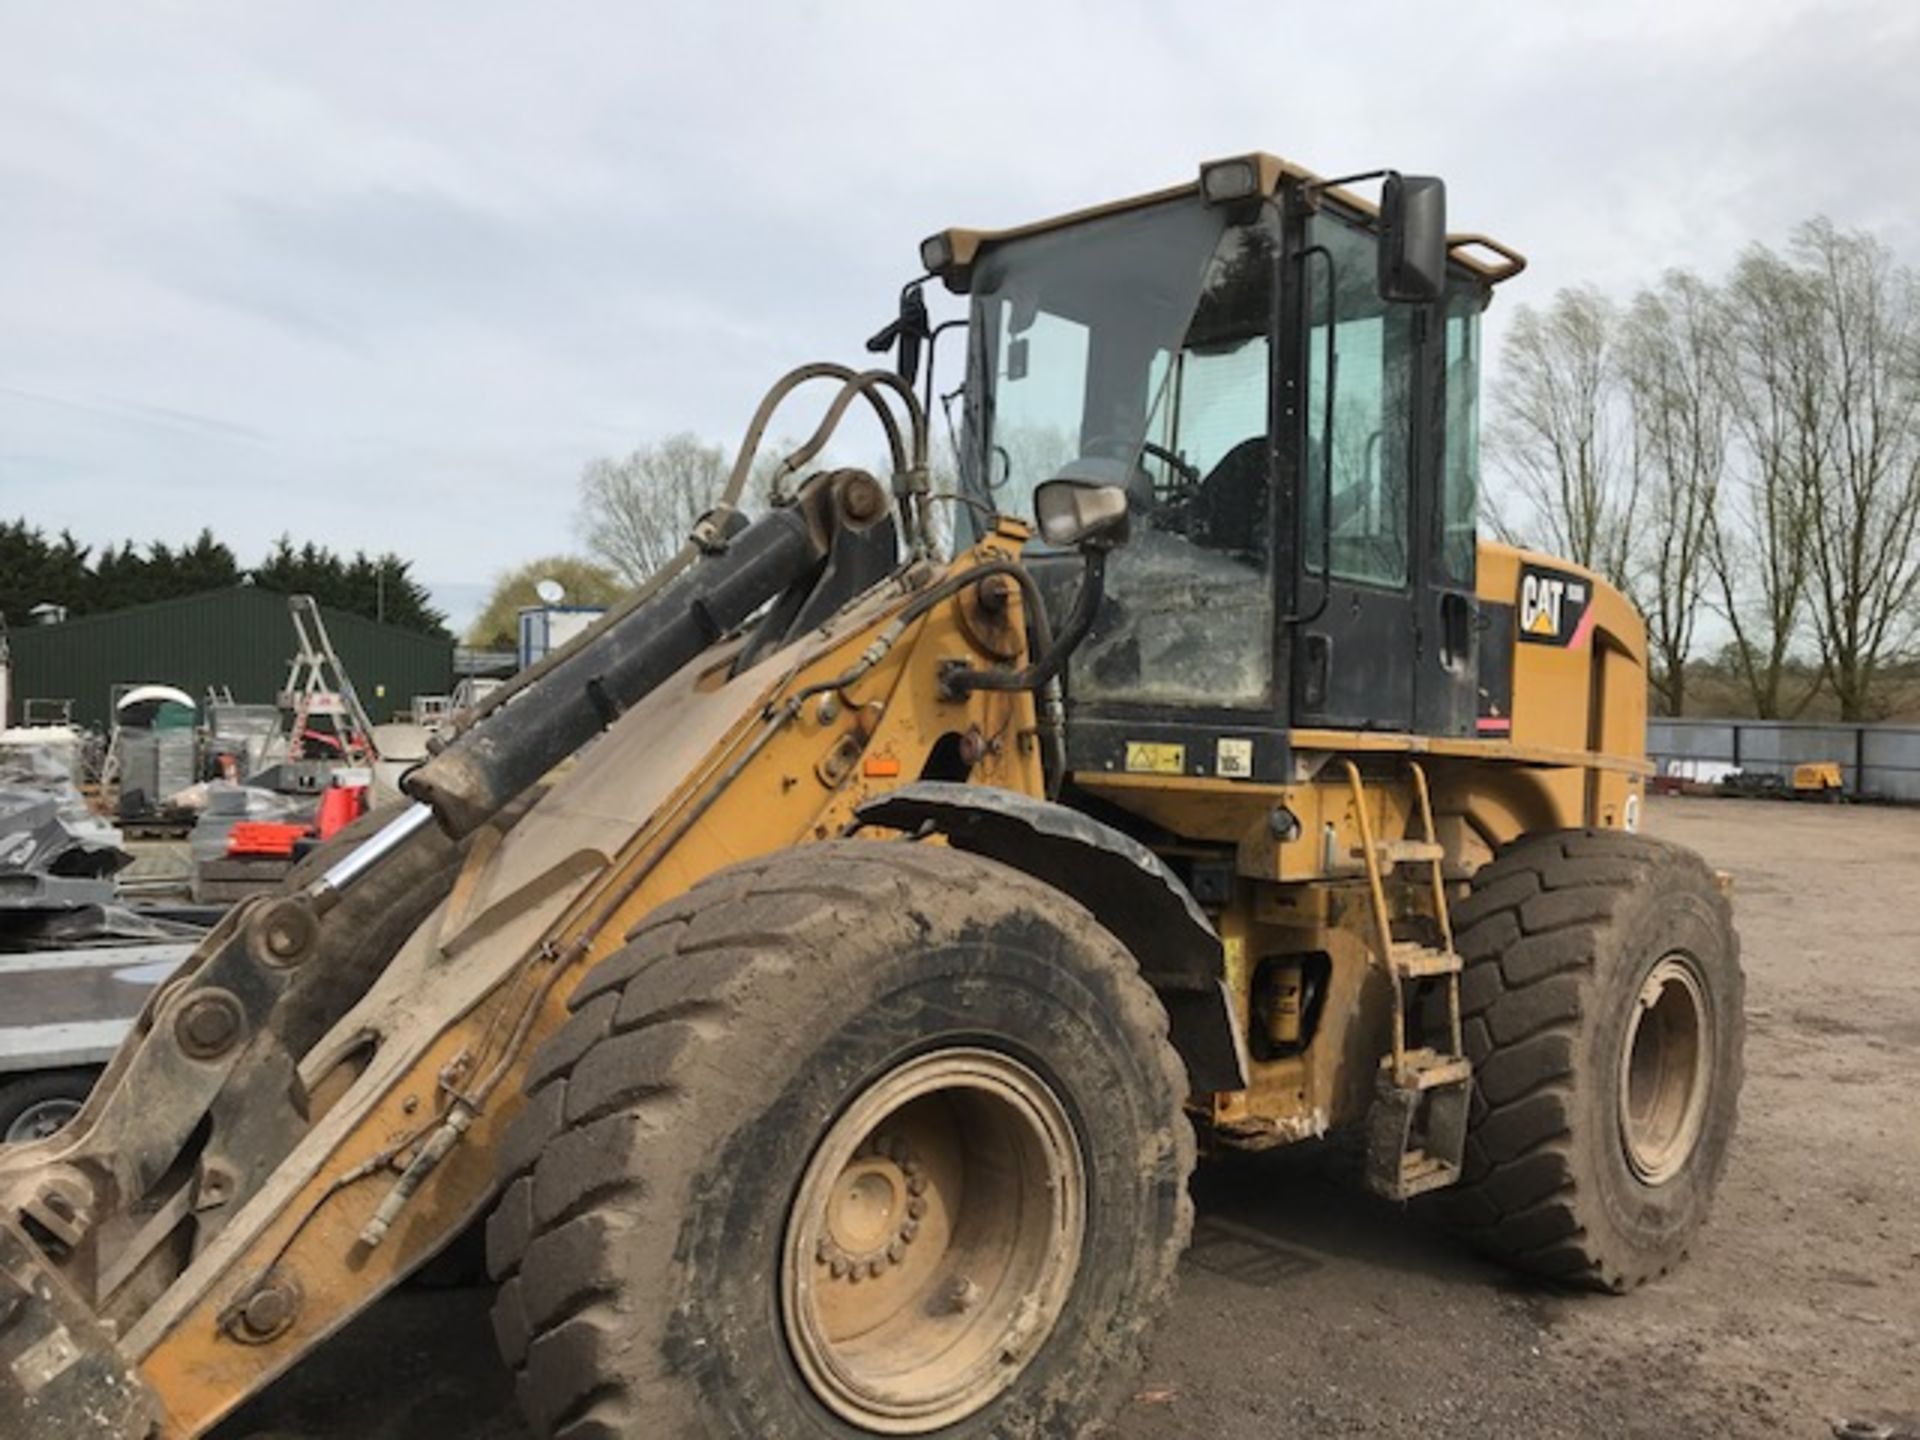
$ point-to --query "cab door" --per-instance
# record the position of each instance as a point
(1356, 632)
(1448, 623)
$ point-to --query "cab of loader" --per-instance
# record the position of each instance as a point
(1284, 379)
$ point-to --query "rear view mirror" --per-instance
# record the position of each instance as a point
(1413, 238)
(1080, 513)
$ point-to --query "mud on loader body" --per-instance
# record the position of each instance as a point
(819, 972)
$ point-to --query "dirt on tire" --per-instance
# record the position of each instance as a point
(647, 1181)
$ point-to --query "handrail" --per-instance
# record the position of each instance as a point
(1383, 924)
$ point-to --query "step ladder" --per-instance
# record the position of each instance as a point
(1417, 1127)
(317, 684)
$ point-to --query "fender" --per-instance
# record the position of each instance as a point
(1128, 888)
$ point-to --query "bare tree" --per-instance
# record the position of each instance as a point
(1669, 353)
(636, 511)
(1761, 543)
(1866, 515)
(1561, 435)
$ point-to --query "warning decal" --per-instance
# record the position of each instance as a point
(1147, 758)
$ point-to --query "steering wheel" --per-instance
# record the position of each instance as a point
(1165, 503)
(1185, 469)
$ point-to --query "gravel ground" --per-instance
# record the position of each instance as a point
(1309, 1308)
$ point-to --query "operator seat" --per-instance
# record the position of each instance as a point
(1230, 504)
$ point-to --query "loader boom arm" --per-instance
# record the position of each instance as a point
(299, 1119)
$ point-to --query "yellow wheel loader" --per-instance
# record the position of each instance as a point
(821, 975)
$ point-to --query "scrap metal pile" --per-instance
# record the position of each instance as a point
(55, 853)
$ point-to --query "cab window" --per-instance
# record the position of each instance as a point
(1369, 446)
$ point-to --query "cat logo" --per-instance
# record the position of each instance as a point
(1554, 607)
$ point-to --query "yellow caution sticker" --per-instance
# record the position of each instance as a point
(1146, 757)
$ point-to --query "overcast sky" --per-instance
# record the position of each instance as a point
(386, 275)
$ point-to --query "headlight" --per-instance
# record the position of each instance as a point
(936, 253)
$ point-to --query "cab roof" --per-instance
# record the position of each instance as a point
(956, 248)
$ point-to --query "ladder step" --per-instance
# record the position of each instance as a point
(1430, 1070)
(1421, 1172)
(1409, 852)
(1417, 1133)
(1413, 961)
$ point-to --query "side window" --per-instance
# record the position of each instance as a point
(1370, 445)
(1460, 480)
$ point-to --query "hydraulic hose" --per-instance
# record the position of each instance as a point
(720, 524)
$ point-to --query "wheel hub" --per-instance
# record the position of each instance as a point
(40, 1120)
(1665, 1071)
(933, 1241)
(874, 1212)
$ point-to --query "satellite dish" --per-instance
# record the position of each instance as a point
(551, 592)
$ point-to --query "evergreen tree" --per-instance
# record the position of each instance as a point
(35, 571)
(380, 588)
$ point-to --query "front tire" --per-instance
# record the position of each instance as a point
(1602, 1006)
(869, 1138)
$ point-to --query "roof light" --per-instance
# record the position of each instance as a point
(936, 253)
(1224, 181)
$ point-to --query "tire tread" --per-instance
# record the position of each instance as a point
(1530, 934)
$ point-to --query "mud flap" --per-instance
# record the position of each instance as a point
(1128, 888)
(61, 1375)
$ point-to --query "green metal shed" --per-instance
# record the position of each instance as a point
(240, 638)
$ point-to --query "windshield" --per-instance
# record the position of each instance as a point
(1136, 349)
(1069, 336)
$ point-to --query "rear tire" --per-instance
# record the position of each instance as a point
(1602, 1011)
(738, 1135)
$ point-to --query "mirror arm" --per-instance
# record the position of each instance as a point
(1316, 186)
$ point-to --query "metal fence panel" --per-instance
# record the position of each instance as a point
(1890, 761)
(1878, 762)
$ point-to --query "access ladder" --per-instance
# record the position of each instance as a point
(1417, 1127)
